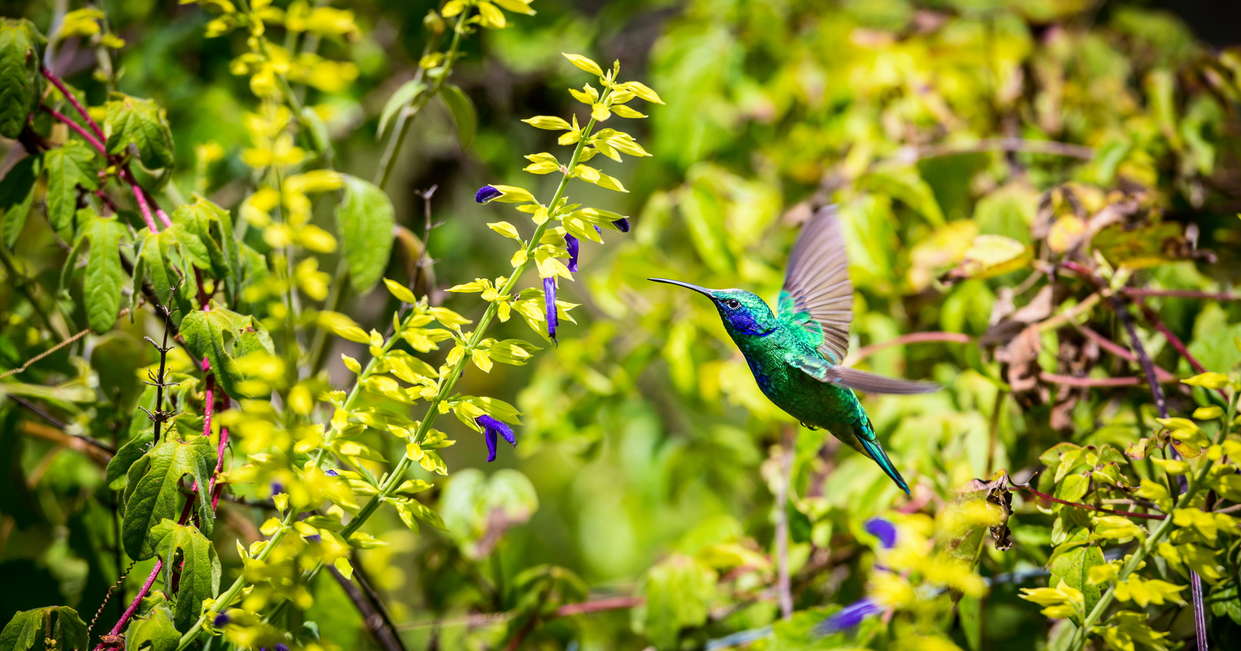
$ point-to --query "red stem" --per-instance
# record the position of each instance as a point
(1181, 293)
(86, 135)
(1073, 381)
(60, 85)
(1045, 496)
(912, 338)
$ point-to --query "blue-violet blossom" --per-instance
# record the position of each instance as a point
(492, 430)
(572, 245)
(487, 193)
(849, 616)
(549, 301)
(882, 529)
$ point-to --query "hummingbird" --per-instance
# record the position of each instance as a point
(796, 353)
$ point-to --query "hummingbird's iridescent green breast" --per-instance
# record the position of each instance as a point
(796, 352)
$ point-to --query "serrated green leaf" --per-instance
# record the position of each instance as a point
(104, 276)
(67, 167)
(364, 223)
(222, 336)
(52, 627)
(463, 113)
(200, 567)
(153, 631)
(154, 494)
(404, 96)
(21, 50)
(206, 233)
(16, 197)
(141, 123)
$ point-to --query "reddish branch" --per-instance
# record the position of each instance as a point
(146, 201)
(912, 338)
(1049, 498)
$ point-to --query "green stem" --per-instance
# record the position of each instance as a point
(396, 137)
(393, 479)
(1083, 634)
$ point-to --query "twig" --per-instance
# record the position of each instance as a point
(1045, 496)
(1074, 381)
(783, 595)
(1122, 352)
(1138, 292)
(373, 614)
(86, 135)
(913, 154)
(98, 451)
(911, 338)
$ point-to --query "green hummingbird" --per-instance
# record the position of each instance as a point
(795, 354)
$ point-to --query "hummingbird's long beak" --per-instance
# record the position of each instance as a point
(701, 290)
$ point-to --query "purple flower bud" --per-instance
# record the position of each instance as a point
(571, 243)
(331, 473)
(314, 537)
(622, 224)
(277, 488)
(849, 616)
(281, 647)
(883, 530)
(549, 301)
(487, 193)
(221, 620)
(492, 430)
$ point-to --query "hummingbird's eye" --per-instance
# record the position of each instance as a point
(732, 303)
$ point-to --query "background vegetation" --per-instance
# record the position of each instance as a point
(1040, 199)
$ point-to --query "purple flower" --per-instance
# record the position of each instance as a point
(331, 473)
(621, 224)
(549, 301)
(849, 616)
(221, 620)
(314, 537)
(883, 530)
(487, 193)
(277, 488)
(492, 430)
(571, 243)
(281, 647)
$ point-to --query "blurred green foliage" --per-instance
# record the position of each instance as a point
(1039, 195)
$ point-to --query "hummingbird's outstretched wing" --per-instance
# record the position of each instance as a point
(824, 371)
(817, 295)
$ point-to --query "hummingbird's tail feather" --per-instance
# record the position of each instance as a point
(871, 448)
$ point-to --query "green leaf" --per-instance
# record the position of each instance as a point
(364, 222)
(141, 123)
(67, 167)
(16, 197)
(158, 260)
(209, 241)
(678, 593)
(970, 611)
(404, 96)
(200, 568)
(52, 627)
(463, 113)
(154, 492)
(1073, 565)
(104, 276)
(21, 50)
(153, 631)
(905, 185)
(223, 336)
